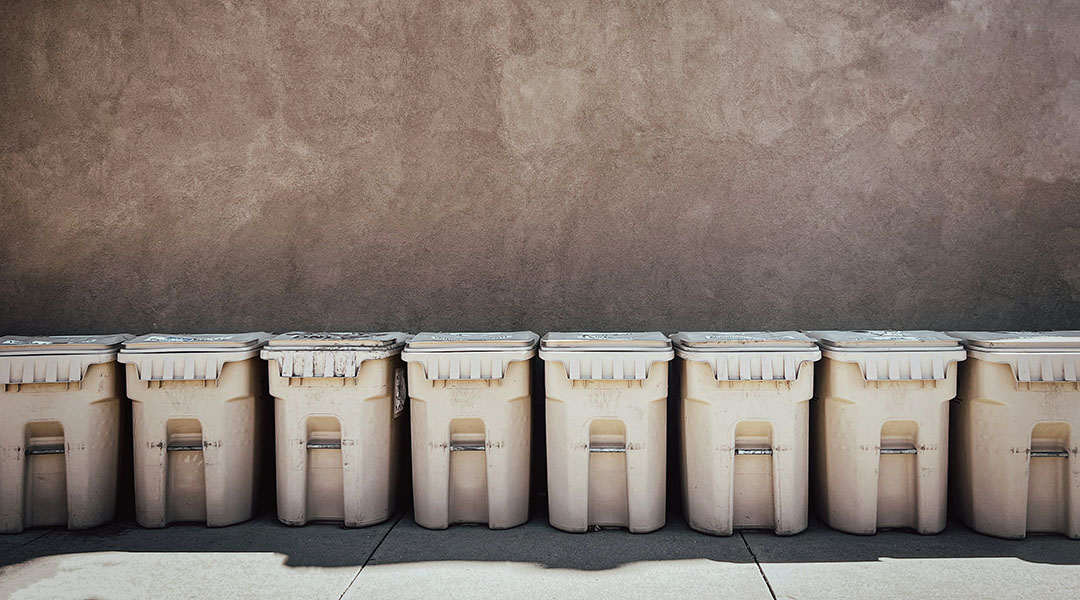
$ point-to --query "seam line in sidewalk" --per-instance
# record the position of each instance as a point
(760, 570)
(373, 551)
(35, 538)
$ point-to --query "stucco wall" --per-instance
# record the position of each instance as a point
(476, 164)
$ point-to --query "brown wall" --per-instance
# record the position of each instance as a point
(477, 164)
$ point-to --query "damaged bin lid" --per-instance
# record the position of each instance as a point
(195, 342)
(640, 341)
(493, 341)
(884, 340)
(735, 341)
(62, 344)
(337, 340)
(1020, 340)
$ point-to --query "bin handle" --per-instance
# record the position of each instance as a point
(40, 450)
(1048, 453)
(184, 447)
(606, 449)
(468, 447)
(753, 452)
(908, 450)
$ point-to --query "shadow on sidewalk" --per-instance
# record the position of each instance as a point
(536, 542)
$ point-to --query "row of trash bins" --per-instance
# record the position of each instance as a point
(877, 431)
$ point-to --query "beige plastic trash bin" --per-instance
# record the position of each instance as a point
(59, 430)
(745, 415)
(1016, 429)
(606, 429)
(470, 405)
(197, 403)
(339, 402)
(880, 428)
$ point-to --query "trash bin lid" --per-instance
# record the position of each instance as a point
(733, 341)
(337, 340)
(428, 341)
(883, 340)
(62, 344)
(195, 342)
(1020, 340)
(636, 341)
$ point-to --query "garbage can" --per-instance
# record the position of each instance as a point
(470, 408)
(606, 429)
(880, 428)
(197, 404)
(1016, 429)
(745, 416)
(339, 403)
(59, 430)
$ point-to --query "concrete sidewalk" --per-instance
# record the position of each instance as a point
(398, 559)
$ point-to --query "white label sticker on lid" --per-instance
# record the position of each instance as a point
(28, 343)
(483, 337)
(887, 335)
(750, 337)
(174, 339)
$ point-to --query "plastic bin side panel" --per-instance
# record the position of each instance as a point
(367, 446)
(290, 448)
(646, 467)
(791, 455)
(430, 452)
(567, 456)
(92, 448)
(509, 432)
(995, 475)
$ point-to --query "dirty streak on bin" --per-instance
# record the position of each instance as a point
(197, 404)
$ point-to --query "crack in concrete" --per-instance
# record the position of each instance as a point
(370, 556)
(760, 570)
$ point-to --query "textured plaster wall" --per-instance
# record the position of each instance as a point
(480, 164)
